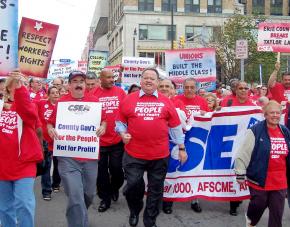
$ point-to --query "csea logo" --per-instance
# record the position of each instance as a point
(79, 109)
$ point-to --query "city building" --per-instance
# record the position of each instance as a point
(143, 27)
(97, 37)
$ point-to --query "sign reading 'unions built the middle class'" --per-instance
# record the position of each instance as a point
(76, 125)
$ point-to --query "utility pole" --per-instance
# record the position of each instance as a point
(172, 33)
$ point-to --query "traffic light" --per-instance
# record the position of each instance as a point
(182, 41)
(175, 45)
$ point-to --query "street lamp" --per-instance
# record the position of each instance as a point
(134, 41)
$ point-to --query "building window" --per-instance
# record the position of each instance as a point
(156, 32)
(191, 6)
(158, 56)
(202, 33)
(259, 6)
(276, 7)
(214, 6)
(146, 5)
(166, 5)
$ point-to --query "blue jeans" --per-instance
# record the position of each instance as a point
(17, 202)
(45, 178)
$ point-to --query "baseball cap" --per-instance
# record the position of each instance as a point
(73, 74)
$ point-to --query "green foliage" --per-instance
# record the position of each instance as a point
(242, 27)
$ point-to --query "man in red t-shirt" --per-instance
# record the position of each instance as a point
(145, 117)
(193, 103)
(110, 171)
(280, 91)
(241, 97)
(35, 90)
(77, 175)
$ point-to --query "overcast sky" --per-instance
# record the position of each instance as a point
(73, 17)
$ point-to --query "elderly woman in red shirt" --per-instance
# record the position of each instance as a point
(263, 158)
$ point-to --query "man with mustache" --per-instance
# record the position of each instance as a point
(110, 172)
(77, 175)
(144, 119)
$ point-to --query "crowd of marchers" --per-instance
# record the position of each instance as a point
(127, 150)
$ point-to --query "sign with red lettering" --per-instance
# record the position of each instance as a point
(133, 68)
(199, 63)
(274, 37)
(36, 42)
(82, 66)
(76, 125)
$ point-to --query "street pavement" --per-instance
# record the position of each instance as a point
(214, 214)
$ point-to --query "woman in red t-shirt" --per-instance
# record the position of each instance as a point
(263, 158)
(19, 153)
(45, 109)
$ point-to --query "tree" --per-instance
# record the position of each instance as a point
(242, 27)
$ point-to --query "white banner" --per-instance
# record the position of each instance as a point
(76, 124)
(211, 144)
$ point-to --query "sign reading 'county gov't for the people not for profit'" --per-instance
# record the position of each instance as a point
(76, 125)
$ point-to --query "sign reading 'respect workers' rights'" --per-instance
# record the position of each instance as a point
(76, 125)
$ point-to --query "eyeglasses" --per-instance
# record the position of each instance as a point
(211, 100)
(164, 86)
(243, 88)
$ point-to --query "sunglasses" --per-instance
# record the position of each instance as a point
(243, 88)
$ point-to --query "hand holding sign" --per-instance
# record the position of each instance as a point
(182, 156)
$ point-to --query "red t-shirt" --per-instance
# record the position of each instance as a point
(276, 175)
(280, 93)
(234, 101)
(148, 119)
(38, 95)
(110, 99)
(45, 109)
(194, 104)
(178, 103)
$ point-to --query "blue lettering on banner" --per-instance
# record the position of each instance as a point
(216, 145)
(195, 151)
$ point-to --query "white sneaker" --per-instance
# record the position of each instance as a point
(248, 221)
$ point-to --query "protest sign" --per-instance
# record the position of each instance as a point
(97, 61)
(211, 144)
(199, 63)
(76, 125)
(8, 36)
(36, 42)
(61, 69)
(274, 37)
(83, 66)
(133, 68)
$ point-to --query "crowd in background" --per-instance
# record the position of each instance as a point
(44, 97)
